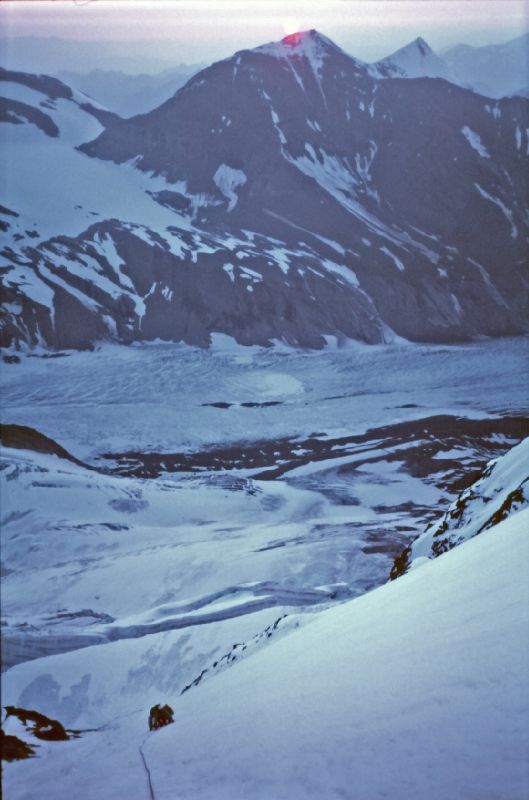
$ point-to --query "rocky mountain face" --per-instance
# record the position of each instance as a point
(283, 193)
(500, 492)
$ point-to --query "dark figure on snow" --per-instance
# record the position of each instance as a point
(160, 716)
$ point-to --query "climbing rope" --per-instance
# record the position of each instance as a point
(146, 768)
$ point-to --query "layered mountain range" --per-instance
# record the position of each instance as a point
(289, 192)
(126, 94)
(498, 70)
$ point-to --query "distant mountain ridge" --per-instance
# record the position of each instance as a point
(288, 195)
(126, 94)
(493, 70)
(496, 70)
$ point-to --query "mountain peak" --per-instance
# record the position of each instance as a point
(305, 38)
(421, 45)
(414, 60)
(311, 44)
(417, 47)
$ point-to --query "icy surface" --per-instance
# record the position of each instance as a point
(152, 396)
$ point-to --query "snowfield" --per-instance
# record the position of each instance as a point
(239, 572)
(417, 689)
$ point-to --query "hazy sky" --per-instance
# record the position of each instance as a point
(203, 30)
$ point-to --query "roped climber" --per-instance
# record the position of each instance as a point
(160, 716)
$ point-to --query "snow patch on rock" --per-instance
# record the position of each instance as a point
(475, 142)
(228, 180)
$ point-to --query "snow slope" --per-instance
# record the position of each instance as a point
(418, 689)
(502, 490)
(430, 673)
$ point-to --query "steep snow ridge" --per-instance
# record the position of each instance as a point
(500, 493)
(467, 697)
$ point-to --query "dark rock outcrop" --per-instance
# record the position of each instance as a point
(40, 726)
(14, 749)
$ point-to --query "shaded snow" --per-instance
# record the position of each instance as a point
(228, 180)
(507, 213)
(475, 142)
(398, 263)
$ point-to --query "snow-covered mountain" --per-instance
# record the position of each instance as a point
(496, 70)
(283, 193)
(502, 491)
(499, 70)
(415, 60)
